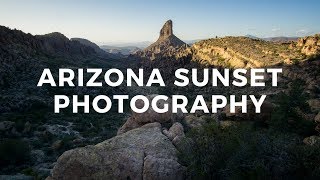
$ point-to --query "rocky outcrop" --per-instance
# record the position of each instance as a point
(241, 52)
(314, 104)
(138, 119)
(312, 141)
(310, 45)
(166, 46)
(175, 130)
(166, 31)
(193, 121)
(142, 153)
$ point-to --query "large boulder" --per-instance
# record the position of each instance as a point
(310, 45)
(193, 121)
(314, 104)
(312, 141)
(162, 168)
(138, 119)
(142, 153)
(175, 130)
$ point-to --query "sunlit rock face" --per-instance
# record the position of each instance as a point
(310, 45)
(167, 44)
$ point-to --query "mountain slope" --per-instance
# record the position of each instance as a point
(97, 49)
(28, 109)
(243, 52)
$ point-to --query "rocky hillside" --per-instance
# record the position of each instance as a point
(245, 52)
(57, 43)
(309, 45)
(166, 46)
(54, 43)
(32, 136)
(90, 44)
(242, 52)
(236, 52)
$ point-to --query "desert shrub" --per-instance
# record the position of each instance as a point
(241, 152)
(66, 143)
(285, 118)
(30, 172)
(13, 151)
(295, 61)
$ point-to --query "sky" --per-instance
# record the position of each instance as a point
(103, 21)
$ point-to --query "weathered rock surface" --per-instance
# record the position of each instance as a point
(241, 52)
(310, 45)
(166, 31)
(193, 121)
(162, 168)
(167, 44)
(139, 119)
(175, 130)
(314, 104)
(142, 153)
(312, 141)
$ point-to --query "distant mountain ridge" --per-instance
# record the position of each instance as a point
(140, 45)
(53, 44)
(126, 50)
(282, 39)
(278, 39)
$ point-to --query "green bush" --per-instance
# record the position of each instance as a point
(13, 151)
(286, 118)
(244, 153)
(30, 172)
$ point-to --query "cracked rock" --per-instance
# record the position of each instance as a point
(142, 153)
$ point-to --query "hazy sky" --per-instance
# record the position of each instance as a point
(141, 20)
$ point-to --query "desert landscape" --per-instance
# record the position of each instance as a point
(281, 142)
